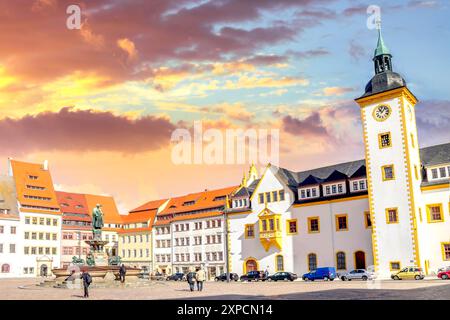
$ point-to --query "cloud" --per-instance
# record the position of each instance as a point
(311, 126)
(128, 46)
(433, 121)
(83, 130)
(356, 50)
(246, 82)
(336, 91)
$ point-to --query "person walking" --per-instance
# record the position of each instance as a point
(201, 277)
(266, 273)
(87, 280)
(122, 273)
(190, 277)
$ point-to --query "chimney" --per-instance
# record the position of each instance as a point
(46, 165)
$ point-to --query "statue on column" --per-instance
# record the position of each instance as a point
(97, 221)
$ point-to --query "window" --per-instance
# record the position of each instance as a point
(443, 172)
(302, 194)
(388, 172)
(267, 197)
(279, 262)
(445, 247)
(367, 220)
(281, 193)
(292, 226)
(313, 225)
(27, 220)
(394, 265)
(264, 225)
(261, 198)
(435, 213)
(362, 184)
(392, 215)
(5, 268)
(340, 261)
(333, 189)
(434, 173)
(13, 230)
(341, 222)
(249, 231)
(312, 261)
(274, 196)
(384, 140)
(314, 192)
(340, 189)
(328, 190)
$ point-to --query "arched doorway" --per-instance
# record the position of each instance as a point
(360, 260)
(250, 265)
(44, 269)
(5, 268)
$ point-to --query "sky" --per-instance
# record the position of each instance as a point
(101, 102)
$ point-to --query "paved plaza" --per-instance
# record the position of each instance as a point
(431, 289)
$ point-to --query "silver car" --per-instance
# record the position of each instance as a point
(357, 274)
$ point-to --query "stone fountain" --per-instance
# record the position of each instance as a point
(97, 263)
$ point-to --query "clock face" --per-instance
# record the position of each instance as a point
(381, 113)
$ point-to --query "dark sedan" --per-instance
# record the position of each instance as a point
(223, 277)
(176, 277)
(282, 276)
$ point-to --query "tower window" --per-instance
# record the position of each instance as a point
(445, 251)
(392, 215)
(292, 226)
(394, 265)
(388, 172)
(384, 140)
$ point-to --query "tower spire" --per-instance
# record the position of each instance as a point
(382, 57)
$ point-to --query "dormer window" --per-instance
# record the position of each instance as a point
(437, 173)
(309, 192)
(358, 185)
(189, 203)
(334, 189)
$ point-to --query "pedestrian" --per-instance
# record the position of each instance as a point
(201, 277)
(190, 277)
(266, 273)
(122, 273)
(87, 280)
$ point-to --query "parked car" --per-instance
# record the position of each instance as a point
(325, 273)
(409, 273)
(279, 276)
(357, 274)
(223, 277)
(254, 276)
(178, 276)
(444, 273)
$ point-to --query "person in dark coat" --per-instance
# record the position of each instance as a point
(122, 273)
(87, 279)
(190, 277)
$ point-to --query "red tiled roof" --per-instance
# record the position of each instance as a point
(197, 215)
(151, 205)
(72, 202)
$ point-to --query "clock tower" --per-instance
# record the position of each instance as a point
(393, 165)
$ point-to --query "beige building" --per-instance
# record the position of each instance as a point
(135, 238)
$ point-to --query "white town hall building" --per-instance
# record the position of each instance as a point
(389, 211)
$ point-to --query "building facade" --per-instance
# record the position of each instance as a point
(387, 211)
(40, 218)
(76, 226)
(135, 238)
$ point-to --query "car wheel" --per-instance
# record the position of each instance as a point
(364, 278)
(396, 278)
(270, 280)
(325, 279)
(418, 277)
(444, 277)
(304, 279)
(343, 278)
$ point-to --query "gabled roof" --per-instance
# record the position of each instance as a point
(72, 202)
(34, 187)
(435, 155)
(151, 205)
(310, 180)
(8, 199)
(109, 208)
(208, 199)
(361, 172)
(336, 176)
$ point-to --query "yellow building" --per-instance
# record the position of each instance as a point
(135, 238)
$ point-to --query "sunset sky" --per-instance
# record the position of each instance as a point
(100, 103)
